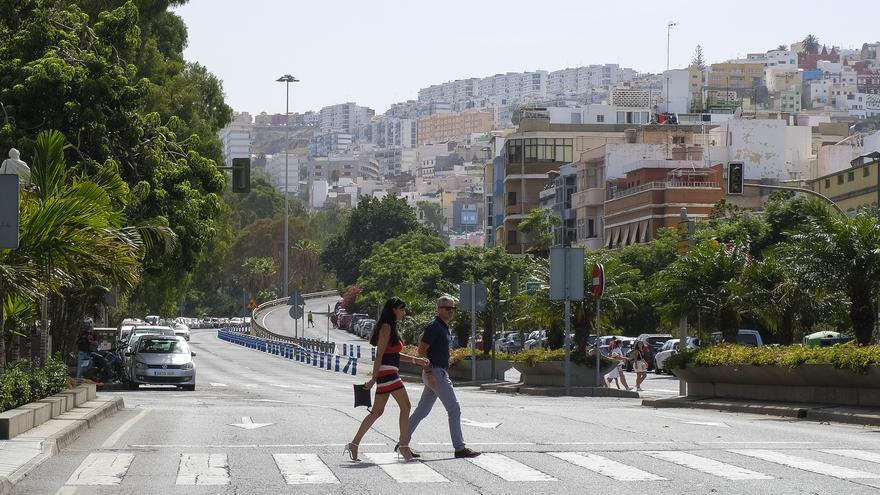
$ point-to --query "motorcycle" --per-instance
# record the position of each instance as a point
(106, 366)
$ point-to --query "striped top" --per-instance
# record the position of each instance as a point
(388, 379)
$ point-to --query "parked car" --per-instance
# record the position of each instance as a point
(744, 337)
(510, 343)
(670, 347)
(535, 339)
(355, 319)
(367, 327)
(181, 330)
(343, 320)
(161, 360)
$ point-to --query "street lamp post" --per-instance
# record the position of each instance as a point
(287, 79)
(669, 26)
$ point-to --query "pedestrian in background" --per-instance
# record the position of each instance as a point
(639, 358)
(311, 319)
(385, 374)
(617, 356)
(86, 342)
(434, 345)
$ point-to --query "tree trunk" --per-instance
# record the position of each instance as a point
(555, 335)
(729, 323)
(2, 334)
(786, 329)
(861, 314)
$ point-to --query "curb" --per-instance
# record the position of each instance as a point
(552, 391)
(59, 433)
(808, 412)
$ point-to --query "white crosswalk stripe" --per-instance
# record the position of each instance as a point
(304, 469)
(862, 455)
(101, 468)
(805, 464)
(203, 469)
(606, 467)
(405, 472)
(708, 466)
(508, 469)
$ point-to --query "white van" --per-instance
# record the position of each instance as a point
(744, 337)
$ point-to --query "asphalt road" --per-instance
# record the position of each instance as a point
(261, 424)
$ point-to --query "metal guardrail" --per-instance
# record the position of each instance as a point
(260, 331)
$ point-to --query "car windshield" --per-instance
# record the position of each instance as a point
(747, 339)
(657, 340)
(162, 346)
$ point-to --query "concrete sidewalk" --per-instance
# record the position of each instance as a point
(867, 416)
(28, 449)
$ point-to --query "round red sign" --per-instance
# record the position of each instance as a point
(598, 280)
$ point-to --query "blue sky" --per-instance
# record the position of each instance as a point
(379, 52)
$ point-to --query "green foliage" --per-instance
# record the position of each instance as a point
(538, 355)
(21, 382)
(373, 221)
(843, 356)
(538, 227)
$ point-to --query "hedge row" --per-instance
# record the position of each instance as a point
(22, 383)
(844, 356)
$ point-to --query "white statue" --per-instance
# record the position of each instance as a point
(13, 165)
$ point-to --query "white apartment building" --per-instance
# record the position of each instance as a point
(236, 140)
(786, 59)
(275, 171)
(677, 88)
(769, 148)
(452, 91)
(599, 114)
(389, 132)
(347, 118)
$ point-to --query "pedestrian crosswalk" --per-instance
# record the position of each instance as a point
(661, 466)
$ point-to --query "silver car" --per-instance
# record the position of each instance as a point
(162, 360)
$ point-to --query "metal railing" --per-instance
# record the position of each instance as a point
(672, 184)
(258, 330)
(288, 350)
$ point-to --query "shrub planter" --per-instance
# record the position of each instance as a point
(462, 369)
(807, 383)
(552, 373)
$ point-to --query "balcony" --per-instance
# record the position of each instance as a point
(587, 198)
(661, 185)
(515, 210)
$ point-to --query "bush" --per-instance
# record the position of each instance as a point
(844, 356)
(22, 383)
(532, 356)
(461, 353)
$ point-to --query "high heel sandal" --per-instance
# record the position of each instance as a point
(405, 452)
(415, 455)
(352, 450)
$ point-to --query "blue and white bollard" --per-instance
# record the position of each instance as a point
(372, 354)
(354, 367)
(344, 348)
(329, 362)
(347, 365)
(322, 360)
(337, 363)
(359, 352)
(351, 350)
(314, 358)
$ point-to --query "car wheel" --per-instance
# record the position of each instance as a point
(658, 371)
(188, 388)
(132, 385)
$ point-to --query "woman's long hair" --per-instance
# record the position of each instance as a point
(388, 317)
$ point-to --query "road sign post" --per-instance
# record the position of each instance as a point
(598, 288)
(567, 284)
(683, 322)
(9, 211)
(473, 297)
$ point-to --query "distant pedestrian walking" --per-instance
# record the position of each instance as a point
(311, 319)
(385, 375)
(617, 373)
(639, 358)
(434, 345)
(86, 342)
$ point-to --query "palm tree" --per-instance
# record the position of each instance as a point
(844, 252)
(709, 280)
(811, 44)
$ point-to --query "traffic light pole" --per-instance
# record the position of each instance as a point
(798, 189)
(683, 321)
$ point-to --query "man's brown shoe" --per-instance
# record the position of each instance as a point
(466, 453)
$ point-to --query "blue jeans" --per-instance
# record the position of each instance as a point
(446, 394)
(82, 361)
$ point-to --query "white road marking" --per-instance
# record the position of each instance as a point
(862, 455)
(213, 384)
(470, 422)
(755, 442)
(302, 469)
(708, 466)
(248, 424)
(66, 490)
(203, 469)
(116, 435)
(805, 464)
(101, 468)
(245, 445)
(508, 469)
(606, 467)
(706, 423)
(405, 472)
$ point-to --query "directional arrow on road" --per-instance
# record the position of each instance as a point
(706, 423)
(468, 422)
(248, 424)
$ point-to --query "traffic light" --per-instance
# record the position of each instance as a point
(735, 178)
(241, 175)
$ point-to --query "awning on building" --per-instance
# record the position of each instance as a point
(624, 238)
(635, 234)
(646, 233)
(615, 236)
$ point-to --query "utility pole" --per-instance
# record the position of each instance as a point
(287, 79)
(684, 245)
(669, 26)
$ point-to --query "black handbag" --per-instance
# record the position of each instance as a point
(362, 396)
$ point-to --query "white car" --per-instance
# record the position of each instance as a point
(669, 348)
(535, 339)
(181, 330)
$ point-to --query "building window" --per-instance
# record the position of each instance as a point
(600, 118)
(511, 237)
(866, 172)
(591, 228)
(677, 139)
(827, 183)
(850, 176)
(840, 179)
(511, 198)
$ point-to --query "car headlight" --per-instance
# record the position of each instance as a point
(187, 366)
(141, 366)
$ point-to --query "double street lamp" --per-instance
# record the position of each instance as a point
(287, 79)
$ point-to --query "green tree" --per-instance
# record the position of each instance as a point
(538, 228)
(372, 221)
(260, 274)
(433, 213)
(810, 44)
(698, 59)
